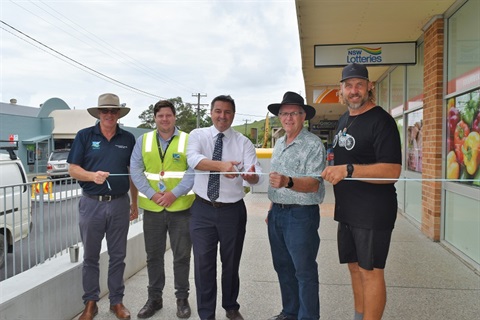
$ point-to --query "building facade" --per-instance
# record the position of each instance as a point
(39, 131)
(436, 104)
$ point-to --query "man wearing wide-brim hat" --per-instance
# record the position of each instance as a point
(108, 101)
(100, 159)
(294, 216)
(292, 98)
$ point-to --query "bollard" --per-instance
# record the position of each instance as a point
(74, 251)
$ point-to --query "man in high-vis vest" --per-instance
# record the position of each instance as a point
(160, 171)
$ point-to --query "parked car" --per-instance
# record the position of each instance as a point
(15, 215)
(57, 166)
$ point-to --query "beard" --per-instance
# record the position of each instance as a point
(356, 106)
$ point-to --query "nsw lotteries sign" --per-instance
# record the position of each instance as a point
(366, 53)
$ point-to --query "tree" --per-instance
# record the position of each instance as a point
(147, 118)
(186, 116)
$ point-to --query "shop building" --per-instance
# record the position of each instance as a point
(40, 130)
(431, 89)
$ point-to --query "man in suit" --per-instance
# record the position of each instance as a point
(219, 214)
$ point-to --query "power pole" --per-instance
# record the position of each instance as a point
(246, 122)
(198, 95)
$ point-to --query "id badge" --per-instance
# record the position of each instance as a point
(161, 186)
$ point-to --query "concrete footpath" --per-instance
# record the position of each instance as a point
(424, 280)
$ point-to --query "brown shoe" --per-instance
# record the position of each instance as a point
(90, 311)
(234, 315)
(120, 311)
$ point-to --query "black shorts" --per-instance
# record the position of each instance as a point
(368, 247)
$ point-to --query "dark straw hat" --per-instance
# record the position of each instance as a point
(293, 98)
(108, 101)
(354, 70)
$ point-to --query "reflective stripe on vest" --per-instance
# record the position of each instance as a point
(149, 141)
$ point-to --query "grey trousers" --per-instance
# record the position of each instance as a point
(156, 225)
(99, 219)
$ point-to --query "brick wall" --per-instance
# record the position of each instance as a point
(432, 127)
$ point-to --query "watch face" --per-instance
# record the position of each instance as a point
(290, 182)
(349, 170)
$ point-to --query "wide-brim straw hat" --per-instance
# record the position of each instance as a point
(108, 101)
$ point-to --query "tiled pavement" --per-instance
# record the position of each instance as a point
(424, 280)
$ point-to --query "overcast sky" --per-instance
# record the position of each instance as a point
(159, 49)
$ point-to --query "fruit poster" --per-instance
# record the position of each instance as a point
(414, 140)
(463, 137)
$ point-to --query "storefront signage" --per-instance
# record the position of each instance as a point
(366, 53)
(324, 95)
(325, 125)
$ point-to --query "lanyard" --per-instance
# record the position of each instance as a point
(162, 154)
(161, 185)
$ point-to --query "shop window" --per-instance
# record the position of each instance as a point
(397, 88)
(414, 140)
(415, 82)
(382, 93)
(463, 50)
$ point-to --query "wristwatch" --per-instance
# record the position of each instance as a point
(349, 170)
(290, 183)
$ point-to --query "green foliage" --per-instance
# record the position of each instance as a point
(186, 116)
(147, 118)
(260, 126)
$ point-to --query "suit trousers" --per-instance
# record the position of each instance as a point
(210, 226)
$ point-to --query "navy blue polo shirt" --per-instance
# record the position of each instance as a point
(93, 152)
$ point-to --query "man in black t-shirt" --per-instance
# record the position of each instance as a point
(367, 163)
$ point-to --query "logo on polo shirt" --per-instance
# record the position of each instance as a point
(95, 145)
(121, 146)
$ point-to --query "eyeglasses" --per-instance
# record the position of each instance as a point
(112, 111)
(291, 114)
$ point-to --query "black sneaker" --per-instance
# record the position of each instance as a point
(281, 316)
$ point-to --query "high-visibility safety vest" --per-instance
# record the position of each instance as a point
(174, 167)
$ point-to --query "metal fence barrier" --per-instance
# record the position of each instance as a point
(48, 231)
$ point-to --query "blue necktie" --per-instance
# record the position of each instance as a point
(214, 179)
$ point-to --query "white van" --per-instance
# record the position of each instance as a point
(15, 216)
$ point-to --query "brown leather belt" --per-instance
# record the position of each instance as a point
(215, 204)
(105, 197)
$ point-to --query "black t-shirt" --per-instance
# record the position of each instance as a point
(371, 137)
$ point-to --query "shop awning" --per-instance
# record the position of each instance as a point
(36, 139)
(68, 122)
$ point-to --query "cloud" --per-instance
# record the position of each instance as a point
(249, 49)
